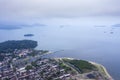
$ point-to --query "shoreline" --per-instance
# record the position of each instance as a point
(104, 70)
(100, 67)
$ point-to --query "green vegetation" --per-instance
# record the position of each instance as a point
(28, 67)
(1, 57)
(7, 79)
(34, 64)
(81, 65)
(10, 46)
(33, 53)
(66, 68)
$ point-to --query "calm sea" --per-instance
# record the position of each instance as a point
(89, 39)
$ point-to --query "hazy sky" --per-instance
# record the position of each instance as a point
(23, 10)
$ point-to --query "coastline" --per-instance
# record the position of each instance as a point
(104, 70)
(100, 67)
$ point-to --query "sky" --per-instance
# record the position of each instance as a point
(26, 11)
(16, 14)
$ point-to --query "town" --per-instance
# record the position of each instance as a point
(20, 61)
(29, 64)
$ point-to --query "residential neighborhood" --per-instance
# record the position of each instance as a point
(29, 64)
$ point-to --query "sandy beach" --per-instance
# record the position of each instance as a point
(100, 67)
(103, 70)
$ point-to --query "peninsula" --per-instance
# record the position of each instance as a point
(22, 62)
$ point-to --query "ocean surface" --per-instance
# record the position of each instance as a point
(96, 40)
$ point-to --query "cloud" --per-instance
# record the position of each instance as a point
(23, 10)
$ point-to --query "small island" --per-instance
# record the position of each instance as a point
(28, 35)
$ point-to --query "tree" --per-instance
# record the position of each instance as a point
(28, 67)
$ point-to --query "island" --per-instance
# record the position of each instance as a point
(8, 47)
(22, 62)
(29, 35)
